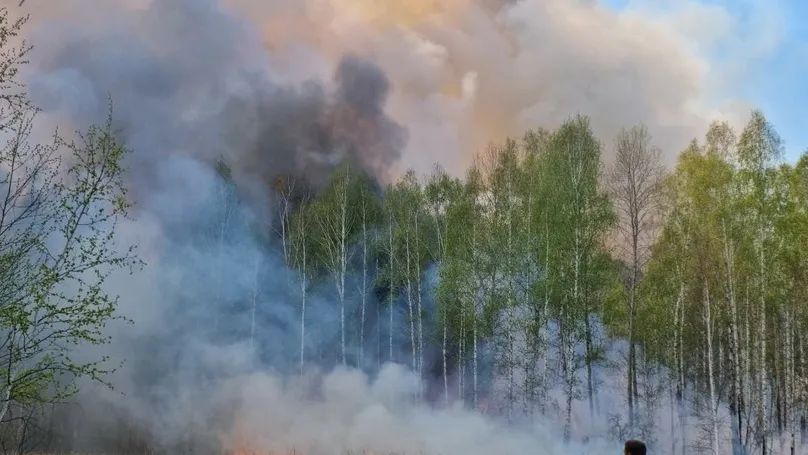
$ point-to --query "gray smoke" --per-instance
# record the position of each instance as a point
(191, 85)
(189, 79)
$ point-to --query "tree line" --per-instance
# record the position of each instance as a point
(700, 269)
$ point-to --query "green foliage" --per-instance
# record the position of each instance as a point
(332, 217)
(525, 241)
(59, 249)
(60, 206)
(733, 243)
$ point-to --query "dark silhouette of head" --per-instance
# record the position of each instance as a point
(634, 447)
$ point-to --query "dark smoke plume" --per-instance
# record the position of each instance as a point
(188, 79)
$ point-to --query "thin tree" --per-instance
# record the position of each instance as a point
(335, 220)
(634, 182)
(60, 204)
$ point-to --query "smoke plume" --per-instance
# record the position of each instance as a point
(462, 72)
(281, 87)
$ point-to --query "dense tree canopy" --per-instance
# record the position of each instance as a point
(701, 269)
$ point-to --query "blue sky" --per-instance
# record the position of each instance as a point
(778, 81)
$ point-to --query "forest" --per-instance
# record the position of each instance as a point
(508, 289)
(700, 269)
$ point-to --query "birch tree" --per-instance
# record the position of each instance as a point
(388, 277)
(759, 147)
(441, 195)
(60, 205)
(411, 223)
(531, 189)
(335, 219)
(369, 214)
(634, 181)
(301, 259)
(575, 169)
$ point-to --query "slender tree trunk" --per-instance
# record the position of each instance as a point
(303, 279)
(475, 309)
(569, 376)
(392, 289)
(672, 399)
(545, 338)
(476, 355)
(364, 286)
(790, 414)
(254, 305)
(748, 362)
(461, 356)
(762, 376)
(803, 377)
(708, 322)
(680, 365)
(590, 386)
(570, 341)
(343, 264)
(445, 369)
(510, 303)
(378, 328)
(737, 398)
(419, 309)
(631, 364)
(12, 377)
(410, 305)
(511, 361)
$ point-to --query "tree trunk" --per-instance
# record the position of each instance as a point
(410, 305)
(445, 369)
(363, 295)
(708, 322)
(303, 286)
(392, 289)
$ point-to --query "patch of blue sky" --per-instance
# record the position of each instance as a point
(776, 80)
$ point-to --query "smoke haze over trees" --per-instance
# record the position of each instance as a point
(363, 238)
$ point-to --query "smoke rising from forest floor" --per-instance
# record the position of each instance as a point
(285, 87)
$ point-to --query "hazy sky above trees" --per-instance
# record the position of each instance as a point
(462, 73)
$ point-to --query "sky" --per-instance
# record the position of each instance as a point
(770, 37)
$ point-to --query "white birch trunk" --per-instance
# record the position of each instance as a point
(302, 278)
(510, 301)
(461, 366)
(392, 290)
(419, 309)
(340, 263)
(410, 304)
(445, 369)
(729, 261)
(364, 292)
(546, 311)
(762, 376)
(12, 377)
(791, 420)
(708, 322)
(302, 324)
(679, 356)
(475, 367)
